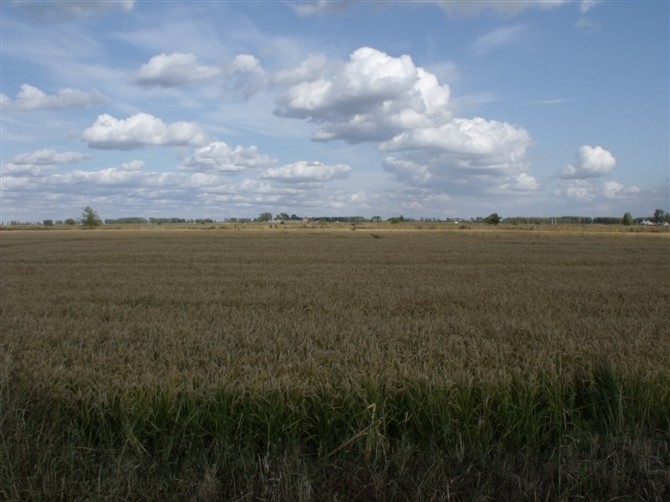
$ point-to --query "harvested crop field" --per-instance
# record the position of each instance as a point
(318, 364)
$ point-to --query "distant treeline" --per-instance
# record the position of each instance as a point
(563, 220)
(659, 217)
(341, 219)
(135, 220)
(515, 220)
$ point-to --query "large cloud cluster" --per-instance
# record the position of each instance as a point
(203, 179)
(404, 109)
(371, 97)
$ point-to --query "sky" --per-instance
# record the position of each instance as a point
(435, 109)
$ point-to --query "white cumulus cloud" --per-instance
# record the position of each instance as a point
(479, 141)
(32, 98)
(39, 162)
(245, 76)
(616, 190)
(48, 156)
(311, 69)
(371, 97)
(404, 109)
(577, 189)
(247, 63)
(525, 182)
(128, 173)
(139, 130)
(170, 70)
(592, 161)
(595, 190)
(303, 171)
(472, 155)
(218, 156)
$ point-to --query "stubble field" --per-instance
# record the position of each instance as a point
(304, 363)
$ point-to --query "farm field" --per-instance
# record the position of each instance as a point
(384, 363)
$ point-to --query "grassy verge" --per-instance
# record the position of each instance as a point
(597, 436)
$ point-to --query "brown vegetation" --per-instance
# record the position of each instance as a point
(314, 363)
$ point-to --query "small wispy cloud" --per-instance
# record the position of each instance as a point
(546, 101)
(586, 25)
(587, 5)
(498, 37)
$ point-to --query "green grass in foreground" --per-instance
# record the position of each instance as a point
(597, 436)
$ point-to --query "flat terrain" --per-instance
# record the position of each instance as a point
(91, 320)
(291, 309)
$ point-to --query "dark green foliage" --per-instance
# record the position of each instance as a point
(90, 218)
(492, 219)
(380, 442)
(659, 216)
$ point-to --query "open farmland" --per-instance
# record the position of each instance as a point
(306, 363)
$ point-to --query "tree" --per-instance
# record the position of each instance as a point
(376, 219)
(492, 219)
(90, 218)
(264, 217)
(627, 219)
(659, 216)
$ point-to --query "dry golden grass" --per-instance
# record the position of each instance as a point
(205, 309)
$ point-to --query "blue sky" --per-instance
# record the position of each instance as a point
(425, 108)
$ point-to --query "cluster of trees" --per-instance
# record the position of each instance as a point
(278, 217)
(660, 216)
(51, 223)
(89, 219)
